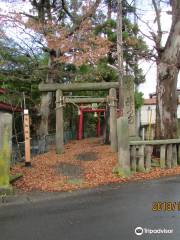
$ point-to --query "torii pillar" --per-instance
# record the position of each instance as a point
(59, 122)
(113, 119)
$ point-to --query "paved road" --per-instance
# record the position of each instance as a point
(109, 213)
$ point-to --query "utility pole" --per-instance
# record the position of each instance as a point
(120, 55)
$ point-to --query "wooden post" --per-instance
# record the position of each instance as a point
(59, 122)
(133, 158)
(169, 155)
(162, 156)
(149, 150)
(141, 167)
(27, 138)
(113, 119)
(174, 155)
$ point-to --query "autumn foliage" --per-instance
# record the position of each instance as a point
(43, 176)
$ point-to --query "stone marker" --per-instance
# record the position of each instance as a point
(5, 151)
(129, 105)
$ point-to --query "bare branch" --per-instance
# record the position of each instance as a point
(158, 37)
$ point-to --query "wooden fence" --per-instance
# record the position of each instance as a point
(141, 153)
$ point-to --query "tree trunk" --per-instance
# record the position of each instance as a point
(46, 99)
(166, 114)
(167, 73)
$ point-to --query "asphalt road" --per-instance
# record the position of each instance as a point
(107, 213)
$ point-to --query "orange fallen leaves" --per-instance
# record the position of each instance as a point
(42, 176)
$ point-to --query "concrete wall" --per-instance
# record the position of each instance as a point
(145, 114)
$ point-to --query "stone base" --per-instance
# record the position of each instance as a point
(141, 169)
(6, 190)
(120, 172)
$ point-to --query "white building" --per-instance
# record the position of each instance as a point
(147, 116)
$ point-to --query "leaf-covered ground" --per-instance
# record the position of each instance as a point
(85, 164)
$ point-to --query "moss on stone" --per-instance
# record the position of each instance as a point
(5, 159)
(120, 172)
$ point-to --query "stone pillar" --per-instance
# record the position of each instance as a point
(113, 119)
(148, 156)
(123, 146)
(59, 122)
(80, 129)
(169, 155)
(5, 151)
(163, 156)
(178, 157)
(99, 125)
(129, 105)
(133, 158)
(141, 163)
(174, 155)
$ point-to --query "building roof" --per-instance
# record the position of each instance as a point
(152, 101)
(9, 108)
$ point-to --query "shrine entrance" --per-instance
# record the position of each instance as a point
(97, 113)
(61, 101)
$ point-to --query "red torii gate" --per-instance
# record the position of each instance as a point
(88, 109)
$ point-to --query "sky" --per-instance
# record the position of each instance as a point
(146, 13)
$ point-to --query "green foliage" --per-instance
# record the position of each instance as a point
(138, 99)
(96, 73)
(19, 72)
(135, 47)
(108, 28)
